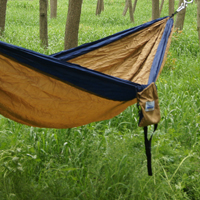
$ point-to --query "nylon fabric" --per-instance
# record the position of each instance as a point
(90, 80)
(149, 94)
(87, 47)
(93, 82)
(35, 99)
(129, 58)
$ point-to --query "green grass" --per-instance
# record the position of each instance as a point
(106, 160)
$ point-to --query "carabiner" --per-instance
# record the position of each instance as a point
(184, 5)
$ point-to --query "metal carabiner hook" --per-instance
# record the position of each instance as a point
(184, 5)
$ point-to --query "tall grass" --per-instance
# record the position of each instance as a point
(106, 160)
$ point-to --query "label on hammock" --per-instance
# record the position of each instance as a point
(150, 105)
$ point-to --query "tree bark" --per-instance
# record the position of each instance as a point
(125, 8)
(198, 19)
(155, 9)
(53, 5)
(134, 6)
(128, 5)
(3, 4)
(130, 10)
(180, 18)
(100, 7)
(161, 7)
(72, 24)
(171, 7)
(43, 23)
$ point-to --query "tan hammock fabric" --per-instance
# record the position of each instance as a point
(36, 99)
(130, 58)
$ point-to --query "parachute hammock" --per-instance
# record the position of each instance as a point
(93, 82)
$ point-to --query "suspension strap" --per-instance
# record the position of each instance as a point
(148, 147)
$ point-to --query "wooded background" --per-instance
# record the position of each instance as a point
(106, 160)
(74, 15)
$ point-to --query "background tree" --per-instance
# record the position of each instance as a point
(72, 24)
(125, 8)
(198, 18)
(155, 9)
(161, 6)
(180, 18)
(53, 5)
(134, 6)
(3, 4)
(171, 7)
(43, 23)
(130, 10)
(128, 5)
(100, 7)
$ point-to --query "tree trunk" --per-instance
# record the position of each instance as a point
(198, 18)
(155, 9)
(180, 18)
(134, 6)
(72, 24)
(161, 7)
(53, 5)
(3, 4)
(171, 7)
(128, 5)
(130, 10)
(43, 23)
(125, 8)
(100, 7)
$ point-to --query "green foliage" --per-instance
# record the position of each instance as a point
(106, 160)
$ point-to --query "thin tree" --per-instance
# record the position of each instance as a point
(171, 7)
(180, 18)
(125, 8)
(3, 5)
(155, 9)
(43, 23)
(128, 6)
(53, 5)
(130, 10)
(161, 6)
(72, 24)
(100, 7)
(198, 19)
(134, 6)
